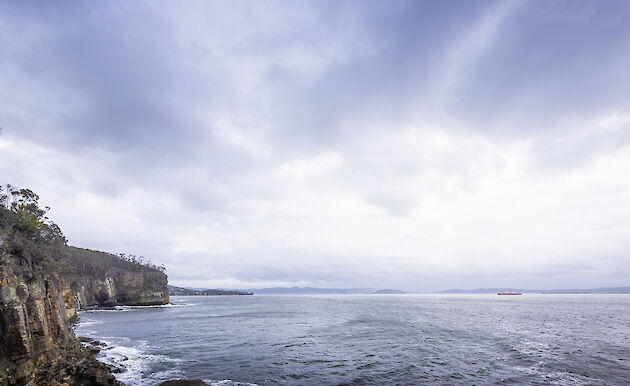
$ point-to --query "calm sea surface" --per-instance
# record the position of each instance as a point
(371, 339)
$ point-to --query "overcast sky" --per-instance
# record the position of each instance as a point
(386, 144)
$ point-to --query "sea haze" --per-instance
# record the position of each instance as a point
(322, 291)
(371, 339)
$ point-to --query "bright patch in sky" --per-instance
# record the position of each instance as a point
(410, 145)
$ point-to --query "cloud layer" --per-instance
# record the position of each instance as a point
(414, 145)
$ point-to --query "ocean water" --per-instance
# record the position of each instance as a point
(370, 340)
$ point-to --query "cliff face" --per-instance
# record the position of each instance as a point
(37, 345)
(39, 298)
(43, 284)
(123, 288)
(38, 301)
(101, 279)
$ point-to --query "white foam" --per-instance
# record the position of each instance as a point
(85, 322)
(227, 382)
(81, 326)
(131, 308)
(115, 309)
(134, 360)
(168, 305)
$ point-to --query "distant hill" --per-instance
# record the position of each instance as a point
(604, 290)
(389, 292)
(181, 291)
(321, 291)
(485, 291)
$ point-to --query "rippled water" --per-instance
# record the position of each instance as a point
(372, 339)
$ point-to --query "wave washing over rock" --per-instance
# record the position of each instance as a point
(134, 360)
(128, 359)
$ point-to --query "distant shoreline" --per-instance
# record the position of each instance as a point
(182, 291)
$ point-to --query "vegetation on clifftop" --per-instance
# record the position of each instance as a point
(27, 233)
(34, 247)
(40, 291)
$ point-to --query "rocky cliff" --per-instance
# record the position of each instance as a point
(38, 303)
(101, 279)
(43, 285)
(37, 345)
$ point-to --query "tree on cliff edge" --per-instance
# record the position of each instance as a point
(22, 214)
(25, 231)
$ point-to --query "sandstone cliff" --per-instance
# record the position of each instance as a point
(44, 283)
(37, 345)
(38, 301)
(101, 279)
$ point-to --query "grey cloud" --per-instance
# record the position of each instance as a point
(551, 61)
(198, 106)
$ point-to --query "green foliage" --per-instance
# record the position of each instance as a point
(98, 264)
(26, 233)
(21, 215)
